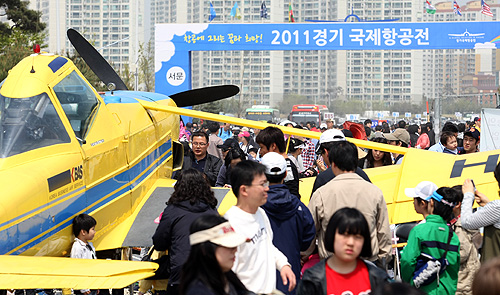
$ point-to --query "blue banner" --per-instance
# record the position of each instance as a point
(175, 41)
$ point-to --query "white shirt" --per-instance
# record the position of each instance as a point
(82, 251)
(256, 261)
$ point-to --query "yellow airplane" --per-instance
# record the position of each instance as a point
(66, 150)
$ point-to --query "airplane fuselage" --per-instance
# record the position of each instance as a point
(66, 150)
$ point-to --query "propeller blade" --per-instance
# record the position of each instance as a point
(95, 60)
(204, 95)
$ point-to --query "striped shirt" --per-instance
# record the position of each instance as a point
(487, 215)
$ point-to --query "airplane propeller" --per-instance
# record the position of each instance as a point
(107, 74)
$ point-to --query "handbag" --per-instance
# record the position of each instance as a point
(429, 268)
(163, 271)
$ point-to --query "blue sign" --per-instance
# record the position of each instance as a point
(175, 41)
(395, 114)
(380, 115)
(407, 115)
(418, 116)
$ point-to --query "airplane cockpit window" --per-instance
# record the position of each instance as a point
(29, 123)
(78, 102)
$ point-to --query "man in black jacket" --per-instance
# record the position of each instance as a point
(199, 159)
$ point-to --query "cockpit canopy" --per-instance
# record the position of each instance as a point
(29, 123)
(32, 122)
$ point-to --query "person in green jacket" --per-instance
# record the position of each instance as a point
(431, 238)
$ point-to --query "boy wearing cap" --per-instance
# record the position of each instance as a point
(471, 141)
(272, 139)
(420, 194)
(325, 143)
(291, 220)
(256, 261)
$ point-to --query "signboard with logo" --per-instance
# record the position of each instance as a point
(328, 116)
(418, 116)
(173, 42)
(395, 114)
(352, 117)
(407, 115)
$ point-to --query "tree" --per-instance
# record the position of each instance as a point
(289, 100)
(127, 77)
(147, 66)
(18, 36)
(23, 19)
(18, 47)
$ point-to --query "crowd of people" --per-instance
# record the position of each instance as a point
(270, 242)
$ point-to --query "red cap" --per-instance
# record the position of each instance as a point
(36, 48)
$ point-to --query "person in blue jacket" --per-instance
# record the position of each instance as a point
(291, 220)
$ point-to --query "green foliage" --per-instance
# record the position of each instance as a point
(289, 100)
(24, 19)
(127, 77)
(463, 105)
(147, 66)
(403, 107)
(211, 107)
(15, 47)
(342, 107)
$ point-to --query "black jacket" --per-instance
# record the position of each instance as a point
(314, 280)
(292, 225)
(212, 166)
(328, 175)
(172, 233)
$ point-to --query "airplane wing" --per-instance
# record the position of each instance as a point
(138, 229)
(32, 272)
(418, 165)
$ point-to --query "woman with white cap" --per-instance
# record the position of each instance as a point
(208, 267)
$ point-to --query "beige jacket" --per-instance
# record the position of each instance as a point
(469, 259)
(350, 190)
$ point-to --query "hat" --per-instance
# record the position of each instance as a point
(274, 162)
(398, 134)
(322, 126)
(296, 144)
(245, 129)
(473, 132)
(423, 190)
(229, 143)
(477, 119)
(285, 122)
(330, 135)
(235, 128)
(222, 235)
(244, 134)
(328, 120)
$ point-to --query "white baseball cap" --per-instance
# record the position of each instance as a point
(274, 162)
(330, 135)
(423, 190)
(222, 235)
